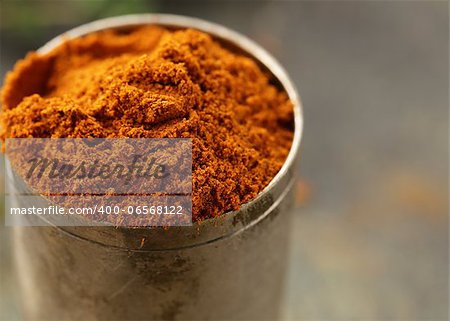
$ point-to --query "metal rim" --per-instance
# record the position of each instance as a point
(278, 186)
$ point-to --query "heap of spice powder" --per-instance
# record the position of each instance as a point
(151, 82)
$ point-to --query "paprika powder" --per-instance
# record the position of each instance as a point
(154, 82)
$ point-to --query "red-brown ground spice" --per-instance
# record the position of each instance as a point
(153, 82)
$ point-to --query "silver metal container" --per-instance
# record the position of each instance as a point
(227, 268)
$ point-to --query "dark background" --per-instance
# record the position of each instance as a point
(370, 237)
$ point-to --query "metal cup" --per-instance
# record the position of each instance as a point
(227, 268)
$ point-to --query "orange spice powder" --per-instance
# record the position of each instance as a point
(153, 82)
